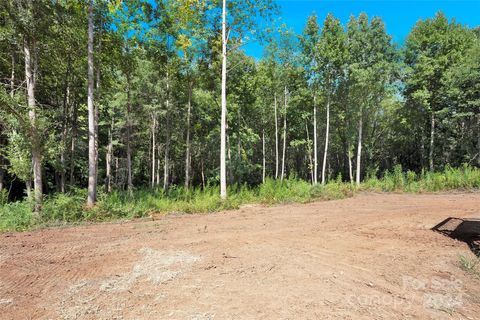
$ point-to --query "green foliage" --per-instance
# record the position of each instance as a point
(16, 216)
(332, 191)
(68, 208)
(155, 58)
(65, 207)
(441, 83)
(3, 197)
(463, 178)
(288, 190)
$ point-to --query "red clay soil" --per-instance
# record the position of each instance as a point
(369, 257)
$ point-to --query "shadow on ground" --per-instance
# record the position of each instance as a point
(466, 230)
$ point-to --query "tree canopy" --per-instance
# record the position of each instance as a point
(343, 98)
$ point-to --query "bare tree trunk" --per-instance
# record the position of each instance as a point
(239, 141)
(315, 149)
(229, 157)
(92, 166)
(117, 168)
(166, 161)
(187, 155)
(223, 122)
(359, 147)
(129, 134)
(66, 101)
(28, 187)
(158, 165)
(35, 139)
(284, 133)
(432, 141)
(97, 111)
(72, 144)
(109, 158)
(12, 76)
(478, 139)
(263, 154)
(309, 151)
(327, 131)
(276, 135)
(350, 167)
(154, 147)
(203, 174)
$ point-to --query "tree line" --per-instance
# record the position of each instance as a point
(149, 94)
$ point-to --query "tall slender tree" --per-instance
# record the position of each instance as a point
(92, 158)
(332, 45)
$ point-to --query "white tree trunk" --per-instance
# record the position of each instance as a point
(432, 141)
(158, 165)
(73, 144)
(12, 76)
(117, 168)
(350, 167)
(92, 167)
(223, 124)
(166, 160)
(327, 132)
(32, 114)
(276, 135)
(359, 147)
(129, 137)
(309, 150)
(154, 147)
(202, 173)
(97, 112)
(284, 133)
(315, 149)
(109, 158)
(263, 154)
(187, 153)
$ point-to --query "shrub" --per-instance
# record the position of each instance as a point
(70, 207)
(288, 190)
(64, 207)
(3, 197)
(16, 216)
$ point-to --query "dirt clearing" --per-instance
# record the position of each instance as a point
(369, 257)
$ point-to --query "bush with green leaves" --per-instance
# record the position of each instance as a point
(70, 207)
(16, 216)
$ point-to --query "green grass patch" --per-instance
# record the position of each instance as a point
(70, 207)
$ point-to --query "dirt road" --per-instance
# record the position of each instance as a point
(369, 257)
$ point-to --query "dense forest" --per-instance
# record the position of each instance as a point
(132, 95)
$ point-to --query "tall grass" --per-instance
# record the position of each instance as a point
(463, 178)
(70, 207)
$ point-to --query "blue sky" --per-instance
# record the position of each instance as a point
(399, 15)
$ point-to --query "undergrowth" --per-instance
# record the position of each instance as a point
(470, 264)
(70, 207)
